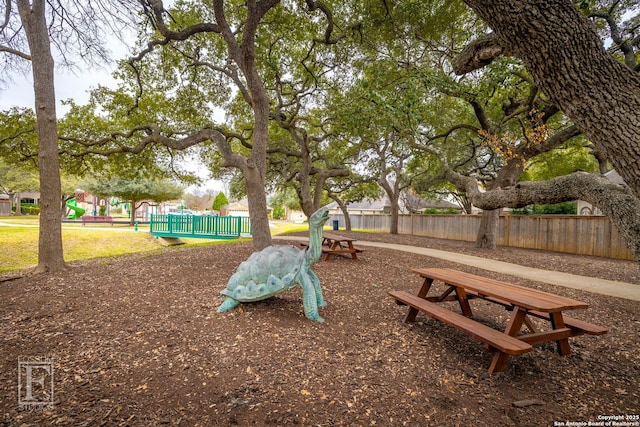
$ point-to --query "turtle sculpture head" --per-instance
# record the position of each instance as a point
(278, 268)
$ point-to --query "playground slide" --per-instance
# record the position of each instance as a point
(75, 211)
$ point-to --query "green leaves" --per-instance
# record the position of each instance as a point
(572, 156)
(14, 179)
(135, 190)
(219, 201)
(18, 140)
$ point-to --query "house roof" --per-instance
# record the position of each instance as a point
(412, 202)
(241, 205)
(238, 206)
(368, 205)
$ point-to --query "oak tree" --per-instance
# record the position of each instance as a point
(28, 29)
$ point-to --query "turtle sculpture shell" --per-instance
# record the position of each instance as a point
(265, 273)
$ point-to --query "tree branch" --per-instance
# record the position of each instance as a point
(154, 9)
(477, 54)
(15, 52)
(480, 115)
(158, 11)
(314, 5)
(623, 45)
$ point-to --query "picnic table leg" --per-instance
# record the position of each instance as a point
(499, 362)
(464, 302)
(353, 251)
(426, 286)
(557, 322)
(516, 321)
(530, 325)
(422, 293)
(332, 246)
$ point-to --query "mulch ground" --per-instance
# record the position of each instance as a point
(137, 341)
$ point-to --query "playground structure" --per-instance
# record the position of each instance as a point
(199, 227)
(75, 211)
(88, 208)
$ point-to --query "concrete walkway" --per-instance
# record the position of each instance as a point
(589, 284)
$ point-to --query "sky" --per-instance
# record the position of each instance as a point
(19, 91)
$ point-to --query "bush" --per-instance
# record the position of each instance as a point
(28, 209)
(219, 201)
(436, 211)
(278, 212)
(565, 208)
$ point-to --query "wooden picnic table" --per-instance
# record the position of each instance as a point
(523, 302)
(333, 244)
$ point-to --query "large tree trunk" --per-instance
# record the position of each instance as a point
(565, 56)
(134, 209)
(50, 255)
(258, 209)
(255, 173)
(347, 222)
(393, 193)
(488, 230)
(255, 167)
(345, 211)
(395, 208)
(18, 203)
(487, 237)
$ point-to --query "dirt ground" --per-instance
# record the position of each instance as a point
(137, 341)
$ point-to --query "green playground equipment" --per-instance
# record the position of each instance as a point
(75, 211)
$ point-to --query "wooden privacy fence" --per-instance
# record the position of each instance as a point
(584, 235)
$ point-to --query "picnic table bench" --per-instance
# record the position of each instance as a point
(334, 244)
(97, 219)
(522, 302)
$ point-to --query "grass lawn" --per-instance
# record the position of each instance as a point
(19, 241)
(19, 245)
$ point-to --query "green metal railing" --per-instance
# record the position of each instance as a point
(200, 227)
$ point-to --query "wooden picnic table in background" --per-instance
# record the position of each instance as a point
(524, 303)
(333, 244)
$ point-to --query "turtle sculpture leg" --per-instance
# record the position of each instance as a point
(317, 287)
(228, 304)
(309, 298)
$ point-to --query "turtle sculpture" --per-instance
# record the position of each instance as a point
(278, 268)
